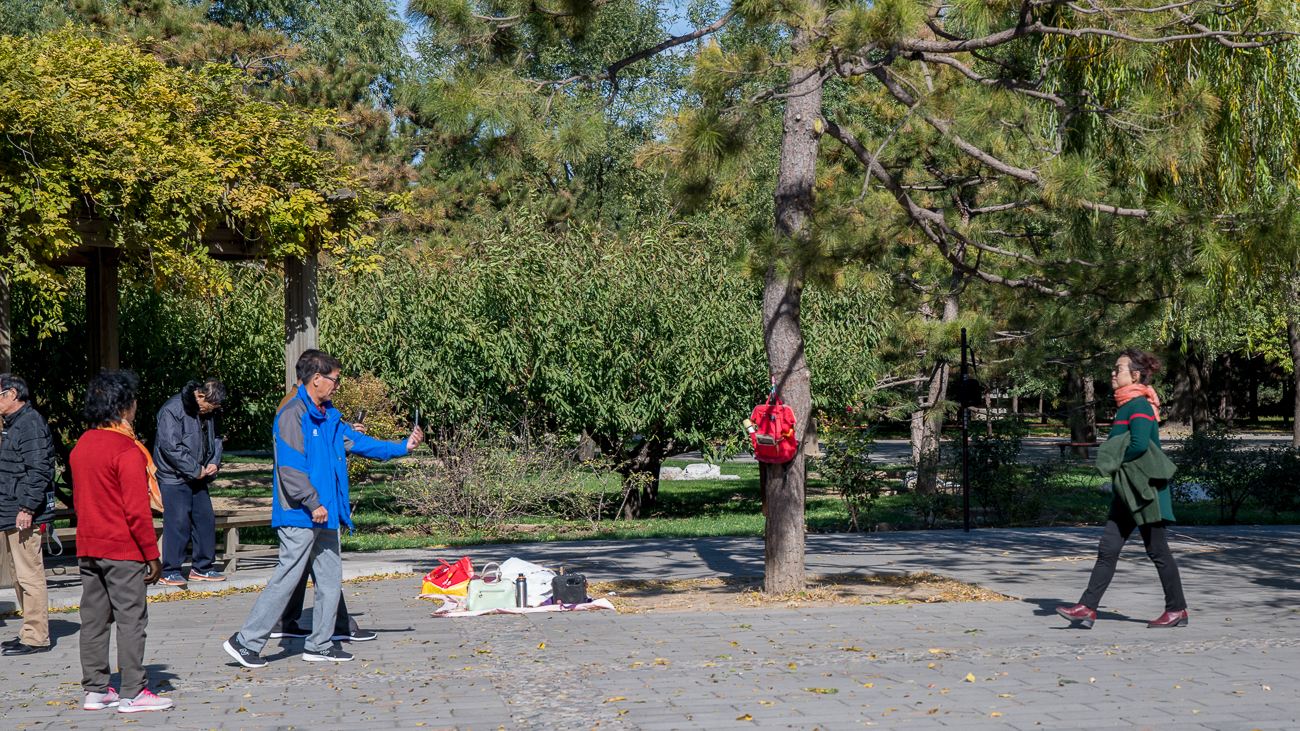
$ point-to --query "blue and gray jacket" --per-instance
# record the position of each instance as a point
(311, 467)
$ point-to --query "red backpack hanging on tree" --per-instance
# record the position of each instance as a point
(772, 431)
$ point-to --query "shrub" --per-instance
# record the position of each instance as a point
(384, 419)
(480, 478)
(847, 466)
(1214, 459)
(996, 481)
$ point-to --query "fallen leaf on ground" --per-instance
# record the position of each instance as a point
(745, 717)
(994, 715)
(823, 691)
(970, 678)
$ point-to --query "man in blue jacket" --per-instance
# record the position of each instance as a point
(311, 500)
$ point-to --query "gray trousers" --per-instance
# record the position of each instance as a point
(113, 592)
(300, 548)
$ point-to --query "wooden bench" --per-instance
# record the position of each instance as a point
(229, 520)
(1071, 445)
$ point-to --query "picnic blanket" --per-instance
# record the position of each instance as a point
(453, 607)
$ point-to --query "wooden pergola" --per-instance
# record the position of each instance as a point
(99, 257)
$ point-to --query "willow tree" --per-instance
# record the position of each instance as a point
(945, 125)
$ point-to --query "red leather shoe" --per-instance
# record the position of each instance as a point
(1170, 619)
(1079, 613)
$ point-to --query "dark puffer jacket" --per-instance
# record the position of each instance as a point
(185, 441)
(26, 468)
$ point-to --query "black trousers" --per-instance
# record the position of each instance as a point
(187, 516)
(343, 625)
(1119, 526)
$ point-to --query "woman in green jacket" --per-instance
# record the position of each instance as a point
(1138, 421)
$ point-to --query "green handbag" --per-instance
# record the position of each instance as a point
(485, 595)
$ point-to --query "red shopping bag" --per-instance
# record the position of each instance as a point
(449, 579)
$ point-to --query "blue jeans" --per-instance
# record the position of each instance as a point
(187, 516)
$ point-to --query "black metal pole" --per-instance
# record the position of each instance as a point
(965, 440)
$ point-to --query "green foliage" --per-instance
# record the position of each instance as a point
(157, 155)
(167, 338)
(482, 477)
(383, 417)
(996, 481)
(366, 31)
(847, 467)
(1234, 475)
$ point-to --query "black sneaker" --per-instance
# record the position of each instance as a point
(290, 630)
(242, 655)
(358, 635)
(333, 654)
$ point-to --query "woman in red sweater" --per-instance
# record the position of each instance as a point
(116, 545)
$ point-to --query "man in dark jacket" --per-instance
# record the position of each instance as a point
(26, 502)
(187, 452)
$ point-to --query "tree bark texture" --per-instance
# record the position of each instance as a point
(782, 334)
(1293, 337)
(1227, 409)
(927, 422)
(1190, 401)
(1083, 417)
(641, 475)
(927, 426)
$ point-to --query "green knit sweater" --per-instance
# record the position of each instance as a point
(1136, 422)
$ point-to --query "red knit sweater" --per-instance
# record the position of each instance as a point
(111, 496)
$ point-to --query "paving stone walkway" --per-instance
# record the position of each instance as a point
(992, 665)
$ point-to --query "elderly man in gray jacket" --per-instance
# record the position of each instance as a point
(187, 452)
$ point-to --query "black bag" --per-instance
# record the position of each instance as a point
(569, 589)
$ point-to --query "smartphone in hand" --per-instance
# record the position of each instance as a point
(361, 416)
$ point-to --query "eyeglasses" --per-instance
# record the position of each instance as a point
(336, 381)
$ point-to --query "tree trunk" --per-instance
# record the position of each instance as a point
(641, 475)
(1189, 403)
(927, 426)
(586, 450)
(1293, 337)
(1227, 410)
(927, 422)
(1083, 417)
(1015, 403)
(1252, 392)
(782, 334)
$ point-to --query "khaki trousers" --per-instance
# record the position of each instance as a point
(29, 580)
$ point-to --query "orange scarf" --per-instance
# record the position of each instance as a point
(1133, 390)
(155, 495)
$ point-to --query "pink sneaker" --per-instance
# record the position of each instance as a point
(100, 701)
(146, 701)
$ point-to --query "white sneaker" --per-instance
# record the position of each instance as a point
(146, 701)
(100, 701)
